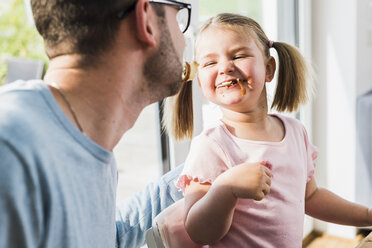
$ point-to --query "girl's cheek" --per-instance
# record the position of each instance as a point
(202, 79)
(208, 77)
(208, 85)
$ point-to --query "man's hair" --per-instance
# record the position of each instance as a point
(84, 27)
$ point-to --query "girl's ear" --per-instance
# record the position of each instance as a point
(145, 22)
(270, 69)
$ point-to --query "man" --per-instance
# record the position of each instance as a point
(108, 60)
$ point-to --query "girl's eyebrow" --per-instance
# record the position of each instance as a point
(208, 55)
(233, 50)
(240, 48)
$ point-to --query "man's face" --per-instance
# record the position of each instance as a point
(163, 69)
(174, 29)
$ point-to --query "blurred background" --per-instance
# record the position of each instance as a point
(335, 36)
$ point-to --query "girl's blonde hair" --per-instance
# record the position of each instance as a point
(291, 90)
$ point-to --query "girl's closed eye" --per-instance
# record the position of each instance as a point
(240, 56)
(209, 63)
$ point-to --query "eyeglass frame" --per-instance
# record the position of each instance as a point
(124, 13)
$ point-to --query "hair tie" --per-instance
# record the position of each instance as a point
(271, 43)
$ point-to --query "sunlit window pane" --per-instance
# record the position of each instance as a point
(137, 154)
(251, 8)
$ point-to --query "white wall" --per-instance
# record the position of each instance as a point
(364, 84)
(364, 46)
(337, 57)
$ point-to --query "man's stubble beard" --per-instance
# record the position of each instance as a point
(163, 69)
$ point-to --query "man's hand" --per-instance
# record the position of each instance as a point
(248, 180)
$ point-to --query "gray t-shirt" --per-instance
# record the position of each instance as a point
(57, 187)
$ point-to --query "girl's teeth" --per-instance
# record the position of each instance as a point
(226, 84)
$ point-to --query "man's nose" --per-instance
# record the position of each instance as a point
(226, 67)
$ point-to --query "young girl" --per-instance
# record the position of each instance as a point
(248, 181)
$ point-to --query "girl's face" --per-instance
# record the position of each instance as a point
(225, 54)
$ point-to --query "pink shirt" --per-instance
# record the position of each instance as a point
(277, 220)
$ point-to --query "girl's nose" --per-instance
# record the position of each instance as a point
(226, 67)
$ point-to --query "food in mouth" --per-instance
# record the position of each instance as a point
(189, 71)
(232, 82)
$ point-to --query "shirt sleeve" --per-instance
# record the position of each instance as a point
(134, 215)
(20, 204)
(311, 155)
(204, 163)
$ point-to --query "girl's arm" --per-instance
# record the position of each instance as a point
(327, 206)
(209, 208)
(208, 215)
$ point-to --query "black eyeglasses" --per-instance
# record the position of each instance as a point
(183, 15)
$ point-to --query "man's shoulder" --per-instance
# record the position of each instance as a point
(21, 86)
(22, 111)
(20, 96)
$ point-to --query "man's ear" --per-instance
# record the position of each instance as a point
(145, 22)
(270, 69)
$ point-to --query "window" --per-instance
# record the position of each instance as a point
(208, 8)
(137, 154)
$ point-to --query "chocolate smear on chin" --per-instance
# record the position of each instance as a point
(243, 91)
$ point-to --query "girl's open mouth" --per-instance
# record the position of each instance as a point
(228, 84)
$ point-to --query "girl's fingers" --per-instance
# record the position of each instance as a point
(268, 172)
(267, 164)
(268, 181)
(266, 189)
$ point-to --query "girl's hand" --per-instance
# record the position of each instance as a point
(247, 180)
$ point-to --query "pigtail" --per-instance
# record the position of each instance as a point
(291, 89)
(178, 119)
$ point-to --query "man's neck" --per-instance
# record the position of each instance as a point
(103, 102)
